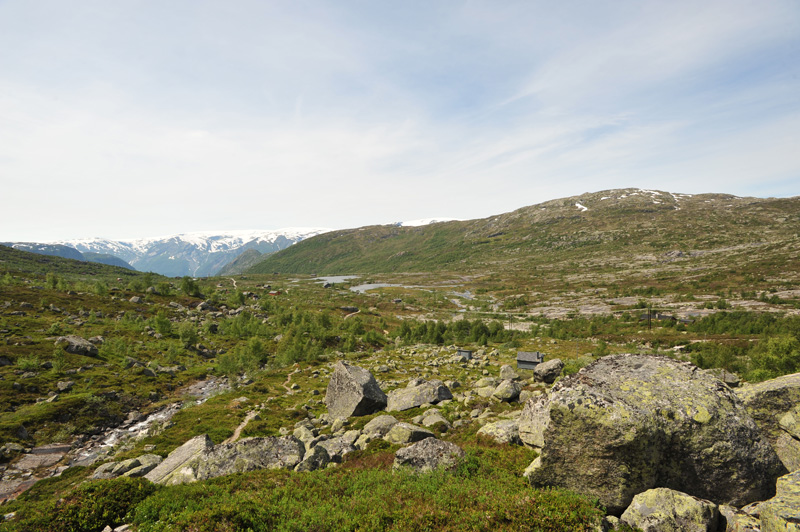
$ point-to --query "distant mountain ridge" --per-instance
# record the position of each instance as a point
(196, 254)
(68, 252)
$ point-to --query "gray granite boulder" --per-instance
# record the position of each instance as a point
(403, 433)
(507, 391)
(169, 471)
(353, 391)
(77, 345)
(503, 431)
(380, 426)
(427, 455)
(548, 371)
(411, 397)
(628, 423)
(249, 454)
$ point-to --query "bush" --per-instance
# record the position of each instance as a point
(92, 506)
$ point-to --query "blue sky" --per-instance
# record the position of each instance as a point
(138, 118)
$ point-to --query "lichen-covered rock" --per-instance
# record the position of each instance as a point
(666, 510)
(411, 397)
(403, 433)
(507, 390)
(249, 454)
(170, 470)
(628, 423)
(735, 520)
(340, 446)
(427, 455)
(353, 391)
(775, 407)
(133, 467)
(504, 431)
(316, 458)
(380, 426)
(77, 345)
(507, 373)
(548, 371)
(782, 512)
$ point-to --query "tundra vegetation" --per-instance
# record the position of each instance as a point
(267, 343)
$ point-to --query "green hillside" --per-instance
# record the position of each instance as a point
(611, 235)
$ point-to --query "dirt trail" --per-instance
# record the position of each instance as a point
(238, 432)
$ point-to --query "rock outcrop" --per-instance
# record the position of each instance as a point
(414, 396)
(249, 454)
(628, 423)
(427, 455)
(200, 459)
(169, 471)
(503, 431)
(775, 407)
(665, 510)
(353, 391)
(133, 467)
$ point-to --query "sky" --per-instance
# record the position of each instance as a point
(137, 118)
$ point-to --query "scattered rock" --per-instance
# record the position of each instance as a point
(427, 392)
(628, 423)
(403, 433)
(353, 391)
(380, 426)
(64, 386)
(316, 458)
(77, 345)
(507, 373)
(136, 300)
(665, 510)
(503, 431)
(549, 371)
(507, 390)
(427, 455)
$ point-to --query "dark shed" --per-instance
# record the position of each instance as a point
(466, 353)
(529, 359)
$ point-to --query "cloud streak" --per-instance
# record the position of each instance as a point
(130, 119)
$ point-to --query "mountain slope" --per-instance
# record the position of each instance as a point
(105, 258)
(245, 260)
(603, 231)
(17, 260)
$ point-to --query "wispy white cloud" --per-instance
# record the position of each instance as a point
(147, 118)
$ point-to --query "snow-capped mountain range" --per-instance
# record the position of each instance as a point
(196, 254)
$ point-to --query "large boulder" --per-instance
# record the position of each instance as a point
(782, 512)
(169, 471)
(249, 454)
(133, 467)
(77, 345)
(427, 455)
(353, 391)
(628, 423)
(549, 371)
(414, 396)
(665, 510)
(775, 407)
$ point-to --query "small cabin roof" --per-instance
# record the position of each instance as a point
(529, 356)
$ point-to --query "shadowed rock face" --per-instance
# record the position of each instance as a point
(628, 423)
(353, 391)
(414, 396)
(775, 407)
